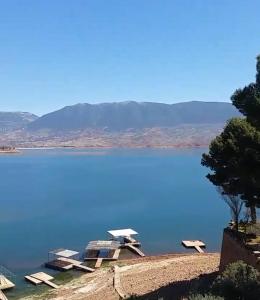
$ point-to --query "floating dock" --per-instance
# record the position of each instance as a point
(64, 260)
(59, 265)
(102, 250)
(3, 296)
(76, 264)
(99, 263)
(194, 244)
(5, 284)
(41, 277)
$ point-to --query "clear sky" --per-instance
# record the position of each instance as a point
(55, 53)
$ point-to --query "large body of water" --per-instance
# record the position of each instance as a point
(65, 198)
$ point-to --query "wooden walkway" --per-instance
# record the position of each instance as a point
(5, 283)
(3, 296)
(117, 284)
(76, 264)
(98, 263)
(41, 277)
(194, 244)
(116, 254)
(135, 249)
(198, 249)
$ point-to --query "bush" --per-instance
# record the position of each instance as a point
(205, 297)
(238, 281)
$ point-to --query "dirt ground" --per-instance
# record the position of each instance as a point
(137, 277)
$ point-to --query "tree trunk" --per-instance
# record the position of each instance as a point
(253, 214)
(236, 223)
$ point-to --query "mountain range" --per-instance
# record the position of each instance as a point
(122, 124)
(15, 120)
(125, 115)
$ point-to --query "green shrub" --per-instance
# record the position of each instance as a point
(238, 281)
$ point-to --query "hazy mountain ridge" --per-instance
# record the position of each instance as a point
(125, 115)
(124, 124)
(15, 120)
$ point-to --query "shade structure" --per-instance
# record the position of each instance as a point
(64, 252)
(122, 232)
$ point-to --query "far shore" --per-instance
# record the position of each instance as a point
(114, 147)
(13, 151)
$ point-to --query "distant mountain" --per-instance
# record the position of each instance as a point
(134, 115)
(14, 120)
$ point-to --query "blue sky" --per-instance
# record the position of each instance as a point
(55, 53)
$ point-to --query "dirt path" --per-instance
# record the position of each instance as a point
(137, 277)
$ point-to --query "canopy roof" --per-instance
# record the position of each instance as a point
(122, 232)
(64, 252)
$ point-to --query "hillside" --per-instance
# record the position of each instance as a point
(14, 120)
(123, 124)
(125, 115)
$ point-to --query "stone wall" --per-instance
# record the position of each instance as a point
(233, 250)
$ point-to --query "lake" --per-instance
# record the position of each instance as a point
(63, 198)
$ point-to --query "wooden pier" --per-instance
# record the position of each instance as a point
(117, 284)
(5, 284)
(99, 263)
(41, 277)
(76, 264)
(135, 249)
(194, 244)
(3, 296)
(102, 251)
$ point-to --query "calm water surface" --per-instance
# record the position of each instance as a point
(64, 198)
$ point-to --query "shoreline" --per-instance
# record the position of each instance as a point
(16, 151)
(111, 147)
(138, 276)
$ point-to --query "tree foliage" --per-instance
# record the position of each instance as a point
(234, 155)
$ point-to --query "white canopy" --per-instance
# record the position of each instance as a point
(66, 253)
(122, 232)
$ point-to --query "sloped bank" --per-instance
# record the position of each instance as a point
(138, 277)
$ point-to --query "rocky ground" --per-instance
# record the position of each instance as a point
(137, 277)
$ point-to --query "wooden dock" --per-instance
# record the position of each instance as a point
(76, 264)
(99, 263)
(116, 254)
(117, 284)
(41, 277)
(3, 296)
(194, 244)
(135, 249)
(32, 280)
(59, 265)
(5, 283)
(132, 241)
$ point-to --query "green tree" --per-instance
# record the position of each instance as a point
(234, 155)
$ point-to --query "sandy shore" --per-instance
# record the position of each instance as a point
(137, 277)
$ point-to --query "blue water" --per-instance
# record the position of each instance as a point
(65, 198)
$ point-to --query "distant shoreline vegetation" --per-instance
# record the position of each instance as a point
(8, 149)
